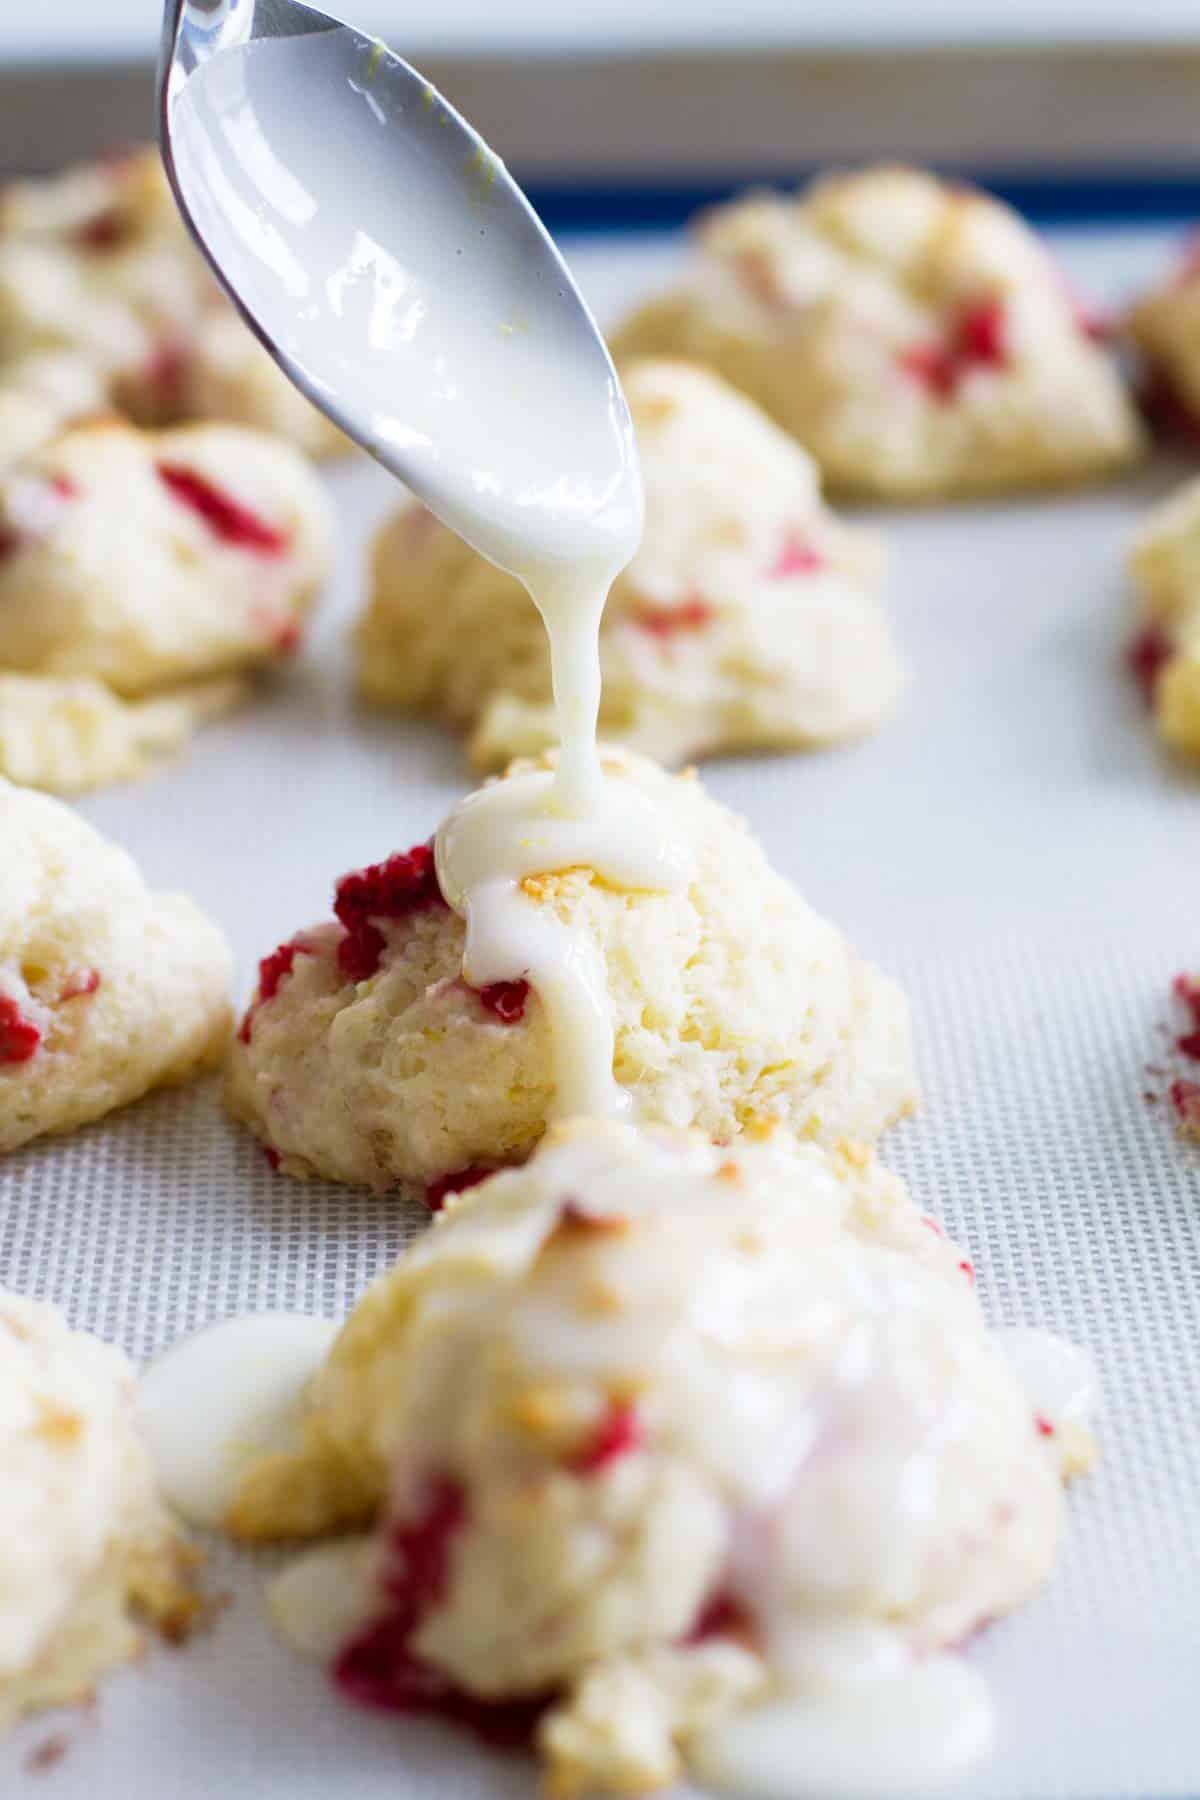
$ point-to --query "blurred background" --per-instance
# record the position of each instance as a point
(635, 110)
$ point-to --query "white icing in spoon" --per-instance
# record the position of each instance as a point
(1059, 1377)
(403, 281)
(215, 1401)
(904, 1737)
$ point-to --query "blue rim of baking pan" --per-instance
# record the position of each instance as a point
(1063, 198)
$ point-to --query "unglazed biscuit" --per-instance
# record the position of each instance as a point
(106, 989)
(748, 618)
(1165, 654)
(912, 334)
(652, 1428)
(147, 559)
(66, 734)
(365, 1057)
(85, 1543)
(95, 263)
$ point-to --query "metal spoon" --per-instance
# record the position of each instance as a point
(397, 274)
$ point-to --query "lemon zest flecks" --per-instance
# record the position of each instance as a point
(481, 172)
(375, 56)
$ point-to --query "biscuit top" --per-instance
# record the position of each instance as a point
(64, 1439)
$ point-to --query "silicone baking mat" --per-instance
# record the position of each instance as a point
(1012, 846)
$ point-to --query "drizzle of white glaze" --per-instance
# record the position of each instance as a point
(1058, 1377)
(515, 829)
(571, 603)
(320, 1601)
(215, 1401)
(904, 1737)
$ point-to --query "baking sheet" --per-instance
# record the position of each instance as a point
(1012, 846)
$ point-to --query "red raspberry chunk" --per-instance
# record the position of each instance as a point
(618, 1434)
(271, 971)
(1185, 1100)
(225, 517)
(933, 367)
(983, 334)
(691, 614)
(19, 1036)
(1147, 657)
(1101, 327)
(977, 339)
(797, 557)
(456, 1182)
(506, 999)
(288, 637)
(1043, 1425)
(283, 632)
(380, 1669)
(1186, 989)
(273, 968)
(722, 1615)
(166, 371)
(405, 884)
(105, 231)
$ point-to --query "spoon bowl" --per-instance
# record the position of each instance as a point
(397, 274)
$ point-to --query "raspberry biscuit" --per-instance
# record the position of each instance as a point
(913, 335)
(641, 1427)
(143, 562)
(747, 620)
(96, 263)
(85, 1543)
(366, 1056)
(106, 989)
(145, 559)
